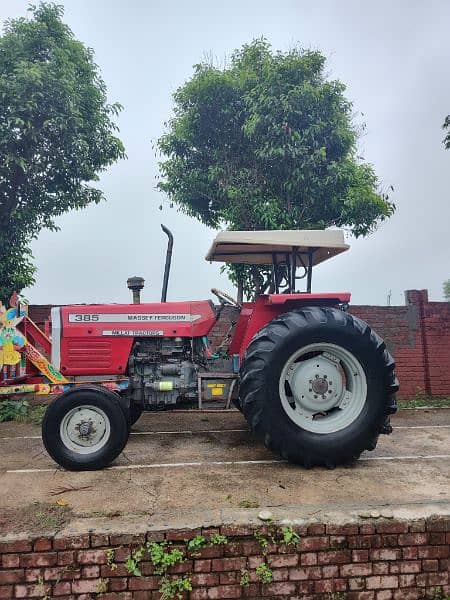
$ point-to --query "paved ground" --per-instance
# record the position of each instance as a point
(179, 463)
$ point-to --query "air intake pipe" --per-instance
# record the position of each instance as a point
(168, 262)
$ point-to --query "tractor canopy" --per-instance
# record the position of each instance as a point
(284, 251)
(269, 247)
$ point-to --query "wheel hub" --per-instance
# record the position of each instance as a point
(324, 393)
(85, 429)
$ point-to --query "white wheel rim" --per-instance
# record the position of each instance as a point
(323, 388)
(85, 429)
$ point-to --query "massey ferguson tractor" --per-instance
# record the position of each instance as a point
(316, 384)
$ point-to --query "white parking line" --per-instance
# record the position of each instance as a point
(230, 462)
(199, 432)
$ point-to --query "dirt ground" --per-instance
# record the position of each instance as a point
(190, 462)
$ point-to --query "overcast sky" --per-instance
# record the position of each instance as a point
(394, 57)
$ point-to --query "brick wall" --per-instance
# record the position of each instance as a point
(417, 334)
(367, 560)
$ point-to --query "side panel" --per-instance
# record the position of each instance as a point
(268, 307)
(97, 339)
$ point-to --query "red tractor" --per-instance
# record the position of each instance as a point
(316, 384)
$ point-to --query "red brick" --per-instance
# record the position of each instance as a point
(127, 539)
(324, 586)
(385, 554)
(439, 524)
(367, 529)
(384, 595)
(10, 561)
(39, 559)
(360, 555)
(237, 530)
(88, 586)
(32, 575)
(202, 566)
(62, 588)
(282, 588)
(13, 576)
(329, 571)
(283, 560)
(91, 557)
(412, 539)
(305, 573)
(42, 544)
(308, 559)
(230, 577)
(180, 535)
(433, 552)
(76, 542)
(436, 538)
(117, 584)
(406, 581)
(29, 591)
(430, 565)
(350, 529)
(316, 529)
(392, 527)
(356, 583)
(382, 582)
(334, 557)
(311, 544)
(380, 568)
(66, 558)
(6, 591)
(224, 591)
(205, 579)
(90, 572)
(356, 570)
(143, 583)
(15, 546)
(410, 553)
(229, 564)
(60, 573)
(98, 540)
(364, 541)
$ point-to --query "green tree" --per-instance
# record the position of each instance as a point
(56, 134)
(446, 289)
(268, 142)
(446, 126)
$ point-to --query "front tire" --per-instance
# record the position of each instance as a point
(317, 386)
(85, 428)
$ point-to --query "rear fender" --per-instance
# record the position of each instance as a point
(254, 316)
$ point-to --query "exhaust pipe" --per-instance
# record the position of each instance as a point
(168, 262)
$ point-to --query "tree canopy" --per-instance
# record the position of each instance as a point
(56, 134)
(446, 289)
(268, 142)
(446, 126)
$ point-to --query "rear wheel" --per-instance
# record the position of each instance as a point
(318, 385)
(85, 428)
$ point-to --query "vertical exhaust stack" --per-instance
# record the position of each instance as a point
(168, 262)
(136, 284)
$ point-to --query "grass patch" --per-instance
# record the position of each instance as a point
(22, 411)
(420, 401)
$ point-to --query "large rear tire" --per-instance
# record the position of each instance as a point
(85, 428)
(318, 386)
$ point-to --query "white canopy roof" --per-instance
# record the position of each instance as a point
(259, 247)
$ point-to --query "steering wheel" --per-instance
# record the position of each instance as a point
(225, 298)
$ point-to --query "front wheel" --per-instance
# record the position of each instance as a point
(318, 385)
(85, 428)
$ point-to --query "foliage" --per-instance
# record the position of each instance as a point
(446, 126)
(199, 541)
(161, 558)
(56, 134)
(133, 560)
(217, 539)
(102, 586)
(268, 142)
(20, 410)
(245, 578)
(262, 541)
(422, 400)
(174, 588)
(446, 288)
(289, 536)
(13, 410)
(264, 573)
(248, 504)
